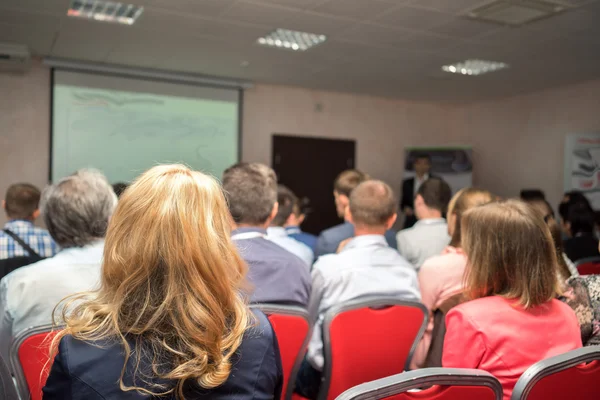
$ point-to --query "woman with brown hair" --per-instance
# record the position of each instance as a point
(441, 277)
(513, 319)
(170, 319)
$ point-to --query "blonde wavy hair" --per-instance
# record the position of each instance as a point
(173, 284)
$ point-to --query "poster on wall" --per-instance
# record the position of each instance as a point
(453, 164)
(582, 165)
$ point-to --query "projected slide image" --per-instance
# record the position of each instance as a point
(124, 133)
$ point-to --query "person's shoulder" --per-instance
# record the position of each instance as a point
(326, 263)
(29, 273)
(480, 307)
(337, 230)
(259, 336)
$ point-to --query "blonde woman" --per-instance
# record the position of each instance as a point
(513, 319)
(169, 320)
(441, 277)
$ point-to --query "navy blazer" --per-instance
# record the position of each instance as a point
(330, 239)
(83, 371)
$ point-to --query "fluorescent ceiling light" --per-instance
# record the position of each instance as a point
(106, 11)
(291, 40)
(474, 67)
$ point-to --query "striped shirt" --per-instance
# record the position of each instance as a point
(38, 239)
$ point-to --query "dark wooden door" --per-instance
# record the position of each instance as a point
(308, 166)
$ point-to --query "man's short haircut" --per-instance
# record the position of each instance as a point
(119, 188)
(372, 203)
(251, 192)
(436, 193)
(22, 199)
(287, 201)
(581, 219)
(575, 197)
(422, 156)
(77, 209)
(348, 180)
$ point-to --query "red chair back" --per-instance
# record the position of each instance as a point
(448, 384)
(291, 326)
(30, 360)
(367, 340)
(588, 266)
(573, 375)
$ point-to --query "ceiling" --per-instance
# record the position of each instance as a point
(391, 48)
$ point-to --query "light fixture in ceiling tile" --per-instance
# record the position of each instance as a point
(291, 40)
(511, 12)
(105, 11)
(474, 67)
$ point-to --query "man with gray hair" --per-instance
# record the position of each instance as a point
(365, 265)
(76, 211)
(276, 275)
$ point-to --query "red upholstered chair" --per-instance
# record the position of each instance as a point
(573, 375)
(292, 327)
(588, 266)
(448, 384)
(369, 339)
(29, 359)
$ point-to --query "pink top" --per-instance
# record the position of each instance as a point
(502, 338)
(440, 278)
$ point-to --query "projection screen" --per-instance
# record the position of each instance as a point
(123, 126)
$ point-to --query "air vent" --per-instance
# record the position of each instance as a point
(14, 57)
(517, 12)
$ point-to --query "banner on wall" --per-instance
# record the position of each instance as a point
(582, 165)
(453, 164)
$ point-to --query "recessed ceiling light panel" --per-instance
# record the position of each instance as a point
(106, 11)
(291, 40)
(474, 67)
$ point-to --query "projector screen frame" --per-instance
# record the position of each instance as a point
(240, 90)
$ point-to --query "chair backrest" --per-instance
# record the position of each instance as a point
(369, 339)
(8, 391)
(573, 375)
(292, 327)
(588, 266)
(29, 355)
(448, 384)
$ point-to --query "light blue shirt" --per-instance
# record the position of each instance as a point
(365, 266)
(279, 236)
(29, 294)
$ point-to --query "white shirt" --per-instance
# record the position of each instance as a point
(419, 182)
(366, 266)
(279, 236)
(29, 294)
(427, 238)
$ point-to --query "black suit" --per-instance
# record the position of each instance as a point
(408, 200)
(84, 371)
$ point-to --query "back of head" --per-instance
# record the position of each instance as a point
(463, 201)
(251, 191)
(21, 201)
(532, 194)
(510, 252)
(436, 194)
(372, 204)
(77, 209)
(581, 219)
(572, 198)
(348, 180)
(171, 280)
(119, 188)
(287, 201)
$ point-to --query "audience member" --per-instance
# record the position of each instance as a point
(329, 240)
(429, 236)
(169, 319)
(277, 275)
(532, 194)
(441, 277)
(566, 268)
(582, 243)
(76, 211)
(119, 188)
(21, 205)
(410, 186)
(569, 199)
(513, 319)
(365, 266)
(292, 226)
(276, 233)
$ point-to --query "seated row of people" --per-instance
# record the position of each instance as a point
(184, 256)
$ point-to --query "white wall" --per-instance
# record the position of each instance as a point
(518, 142)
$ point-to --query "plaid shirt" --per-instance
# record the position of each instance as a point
(38, 239)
